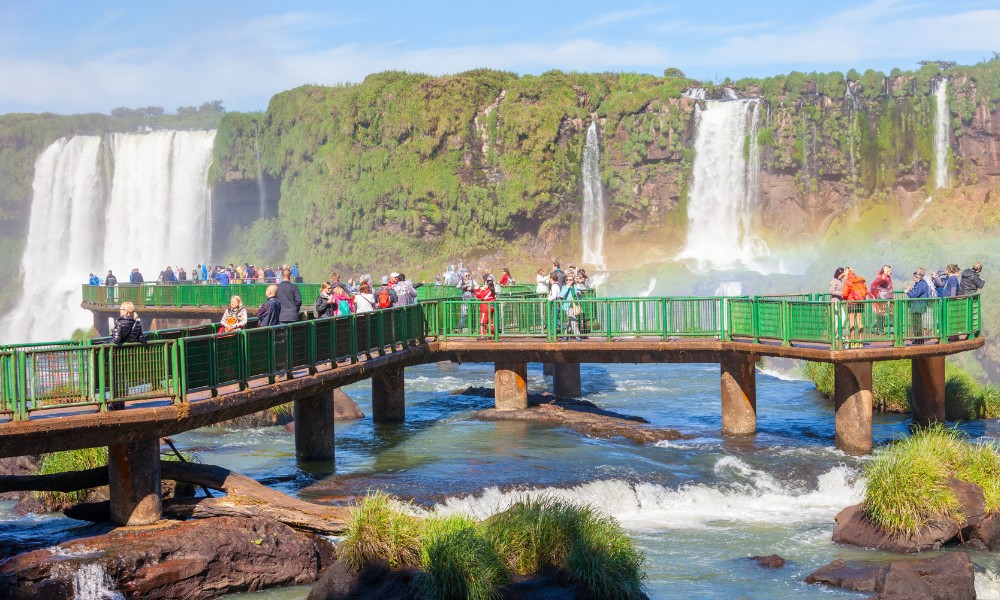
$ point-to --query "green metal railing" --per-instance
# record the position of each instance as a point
(176, 363)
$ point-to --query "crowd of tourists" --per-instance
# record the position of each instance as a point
(849, 290)
(222, 274)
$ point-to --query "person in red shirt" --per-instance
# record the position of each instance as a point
(506, 278)
(487, 293)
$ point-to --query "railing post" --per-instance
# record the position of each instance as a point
(786, 323)
(444, 320)
(898, 339)
(353, 328)
(665, 318)
(495, 308)
(607, 318)
(943, 320)
(755, 320)
(314, 344)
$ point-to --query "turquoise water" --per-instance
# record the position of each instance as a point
(697, 508)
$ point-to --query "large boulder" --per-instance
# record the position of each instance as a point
(203, 558)
(948, 576)
(985, 535)
(854, 528)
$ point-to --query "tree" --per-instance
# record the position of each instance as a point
(673, 72)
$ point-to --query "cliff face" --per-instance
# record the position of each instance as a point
(488, 160)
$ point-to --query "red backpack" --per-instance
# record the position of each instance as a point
(384, 300)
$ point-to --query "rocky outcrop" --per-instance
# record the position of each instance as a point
(579, 415)
(946, 577)
(193, 559)
(854, 528)
(772, 561)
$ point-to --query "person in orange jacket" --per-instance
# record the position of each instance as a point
(855, 292)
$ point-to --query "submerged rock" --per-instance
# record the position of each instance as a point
(946, 577)
(769, 562)
(203, 558)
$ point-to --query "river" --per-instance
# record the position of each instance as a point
(697, 508)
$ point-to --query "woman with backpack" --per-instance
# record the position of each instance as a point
(342, 302)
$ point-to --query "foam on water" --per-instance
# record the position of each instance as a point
(987, 585)
(758, 498)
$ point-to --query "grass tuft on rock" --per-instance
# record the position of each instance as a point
(464, 559)
(378, 529)
(458, 562)
(908, 482)
(66, 461)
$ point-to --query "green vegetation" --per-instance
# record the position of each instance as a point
(907, 482)
(463, 559)
(70, 460)
(965, 398)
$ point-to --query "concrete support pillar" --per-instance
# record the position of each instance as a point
(548, 369)
(566, 380)
(852, 398)
(134, 481)
(388, 397)
(510, 386)
(738, 378)
(928, 389)
(101, 324)
(314, 418)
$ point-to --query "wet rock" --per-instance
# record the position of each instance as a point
(855, 529)
(769, 562)
(344, 408)
(193, 559)
(948, 576)
(985, 535)
(376, 581)
(579, 415)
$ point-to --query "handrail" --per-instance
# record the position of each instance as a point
(178, 362)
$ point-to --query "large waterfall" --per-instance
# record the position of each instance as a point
(593, 202)
(941, 133)
(725, 186)
(113, 202)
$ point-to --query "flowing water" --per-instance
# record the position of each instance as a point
(592, 225)
(696, 507)
(942, 124)
(725, 188)
(113, 202)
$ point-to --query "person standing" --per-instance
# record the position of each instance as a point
(486, 294)
(855, 292)
(94, 280)
(971, 282)
(110, 280)
(881, 289)
(128, 328)
(405, 292)
(324, 302)
(204, 272)
(295, 272)
(541, 283)
(365, 300)
(951, 282)
(918, 292)
(268, 313)
(290, 298)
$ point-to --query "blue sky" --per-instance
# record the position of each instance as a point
(68, 57)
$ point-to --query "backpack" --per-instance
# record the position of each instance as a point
(940, 279)
(384, 299)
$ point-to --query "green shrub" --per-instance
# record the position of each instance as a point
(602, 559)
(458, 562)
(981, 465)
(908, 480)
(378, 529)
(66, 461)
(530, 535)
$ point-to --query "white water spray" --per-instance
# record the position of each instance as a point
(725, 187)
(92, 582)
(121, 201)
(941, 133)
(593, 202)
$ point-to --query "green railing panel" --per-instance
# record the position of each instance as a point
(811, 322)
(520, 318)
(197, 363)
(281, 349)
(437, 292)
(140, 370)
(770, 319)
(299, 340)
(259, 348)
(324, 332)
(921, 318)
(56, 376)
(694, 317)
(741, 319)
(229, 357)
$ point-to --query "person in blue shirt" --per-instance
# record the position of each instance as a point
(94, 280)
(204, 272)
(222, 277)
(915, 291)
(295, 272)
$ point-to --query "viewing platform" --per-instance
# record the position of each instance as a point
(68, 395)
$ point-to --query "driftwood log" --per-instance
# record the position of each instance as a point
(244, 496)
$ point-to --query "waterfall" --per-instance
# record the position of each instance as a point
(941, 133)
(725, 187)
(92, 582)
(593, 202)
(118, 201)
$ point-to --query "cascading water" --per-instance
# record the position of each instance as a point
(92, 582)
(118, 201)
(725, 187)
(941, 133)
(593, 202)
